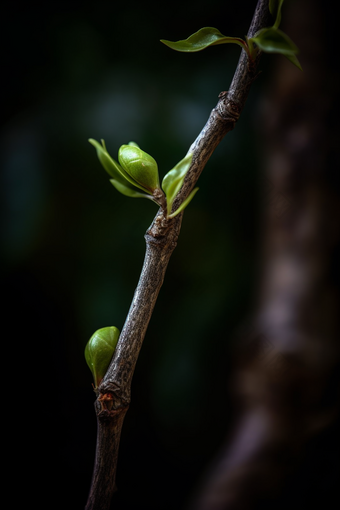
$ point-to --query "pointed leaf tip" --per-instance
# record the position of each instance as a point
(294, 60)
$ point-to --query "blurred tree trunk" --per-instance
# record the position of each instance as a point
(286, 380)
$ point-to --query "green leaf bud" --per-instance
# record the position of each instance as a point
(140, 166)
(121, 179)
(99, 351)
(113, 168)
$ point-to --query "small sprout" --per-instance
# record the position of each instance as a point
(136, 174)
(99, 351)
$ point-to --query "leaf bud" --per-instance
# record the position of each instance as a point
(99, 351)
(140, 166)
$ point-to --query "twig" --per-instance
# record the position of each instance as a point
(114, 392)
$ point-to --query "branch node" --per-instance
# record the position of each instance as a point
(106, 415)
(159, 228)
(110, 406)
(111, 397)
(227, 109)
(106, 401)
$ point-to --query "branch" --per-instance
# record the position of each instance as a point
(114, 392)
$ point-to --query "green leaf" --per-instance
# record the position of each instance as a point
(113, 168)
(275, 9)
(207, 36)
(127, 191)
(99, 351)
(109, 164)
(271, 40)
(184, 204)
(174, 179)
(140, 166)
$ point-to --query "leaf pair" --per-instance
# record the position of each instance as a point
(136, 175)
(268, 40)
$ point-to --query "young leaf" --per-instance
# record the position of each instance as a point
(184, 204)
(109, 164)
(173, 180)
(207, 36)
(271, 40)
(129, 191)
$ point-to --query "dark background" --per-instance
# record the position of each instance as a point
(73, 247)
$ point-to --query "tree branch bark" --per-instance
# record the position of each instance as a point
(114, 392)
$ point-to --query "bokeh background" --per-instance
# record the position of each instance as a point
(73, 247)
